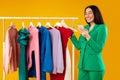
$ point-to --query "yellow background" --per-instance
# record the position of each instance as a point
(110, 11)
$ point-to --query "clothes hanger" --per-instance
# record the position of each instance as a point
(65, 25)
(31, 24)
(12, 25)
(58, 24)
(48, 25)
(23, 26)
(39, 24)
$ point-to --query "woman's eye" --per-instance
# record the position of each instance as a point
(88, 13)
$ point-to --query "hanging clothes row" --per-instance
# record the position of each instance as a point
(37, 50)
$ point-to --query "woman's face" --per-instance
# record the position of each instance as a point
(89, 16)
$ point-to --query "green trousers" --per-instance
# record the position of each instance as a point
(90, 75)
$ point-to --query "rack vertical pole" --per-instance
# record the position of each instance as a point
(72, 55)
(3, 25)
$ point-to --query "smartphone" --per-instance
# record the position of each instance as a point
(80, 26)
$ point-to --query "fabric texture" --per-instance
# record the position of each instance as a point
(23, 40)
(57, 51)
(46, 62)
(32, 71)
(33, 45)
(68, 65)
(11, 55)
(90, 75)
(65, 34)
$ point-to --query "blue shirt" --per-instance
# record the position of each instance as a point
(46, 63)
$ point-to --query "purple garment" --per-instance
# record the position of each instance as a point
(57, 51)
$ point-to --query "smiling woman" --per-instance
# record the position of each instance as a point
(90, 43)
(89, 16)
(93, 14)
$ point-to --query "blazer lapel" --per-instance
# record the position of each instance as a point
(94, 28)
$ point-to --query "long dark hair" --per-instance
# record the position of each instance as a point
(97, 14)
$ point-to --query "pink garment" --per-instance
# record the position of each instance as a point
(12, 49)
(33, 45)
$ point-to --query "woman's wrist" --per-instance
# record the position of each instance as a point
(88, 37)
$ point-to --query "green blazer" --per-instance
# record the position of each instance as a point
(91, 50)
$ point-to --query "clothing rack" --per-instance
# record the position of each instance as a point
(39, 18)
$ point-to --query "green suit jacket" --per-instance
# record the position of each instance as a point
(91, 50)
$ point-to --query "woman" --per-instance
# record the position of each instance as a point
(91, 42)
